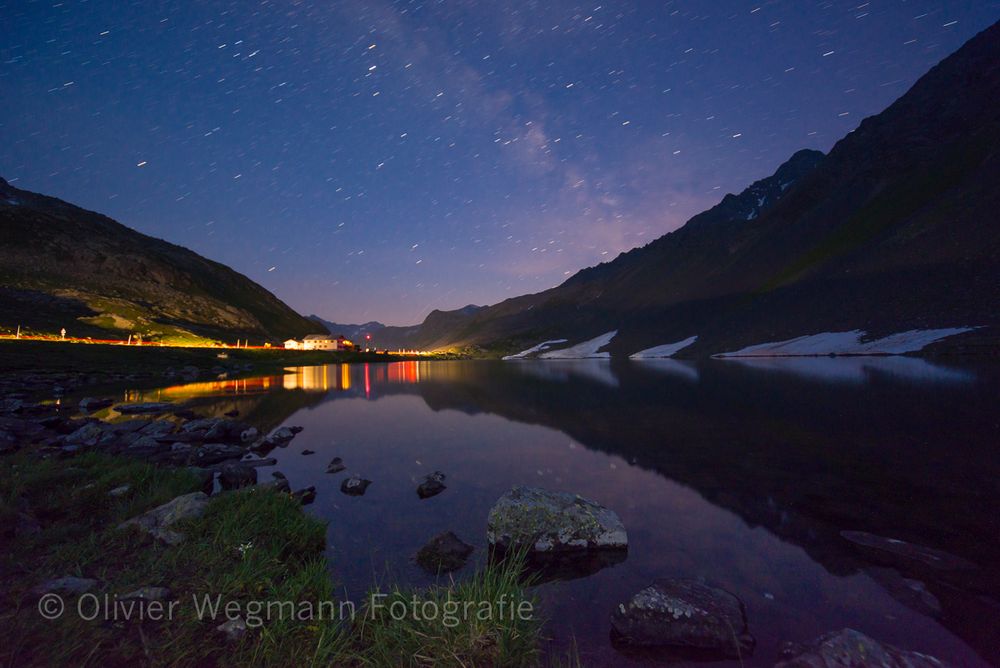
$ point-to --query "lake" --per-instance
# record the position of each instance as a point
(740, 472)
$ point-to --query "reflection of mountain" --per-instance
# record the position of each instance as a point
(801, 457)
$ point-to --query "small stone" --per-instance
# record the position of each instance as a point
(147, 594)
(336, 465)
(308, 452)
(121, 490)
(432, 485)
(249, 435)
(354, 486)
(91, 404)
(234, 629)
(65, 585)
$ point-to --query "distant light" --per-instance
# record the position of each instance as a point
(272, 268)
(141, 164)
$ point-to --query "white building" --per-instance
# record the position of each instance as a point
(292, 344)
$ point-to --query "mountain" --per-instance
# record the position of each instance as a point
(63, 266)
(436, 325)
(895, 229)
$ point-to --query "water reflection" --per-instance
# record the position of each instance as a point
(744, 472)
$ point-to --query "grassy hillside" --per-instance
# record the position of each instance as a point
(63, 266)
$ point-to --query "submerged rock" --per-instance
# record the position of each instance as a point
(305, 496)
(684, 615)
(444, 553)
(546, 521)
(911, 593)
(354, 486)
(336, 465)
(432, 485)
(157, 522)
(899, 552)
(848, 647)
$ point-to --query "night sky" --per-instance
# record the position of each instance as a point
(376, 160)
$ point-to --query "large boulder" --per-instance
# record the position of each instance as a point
(848, 648)
(91, 404)
(684, 615)
(213, 453)
(158, 521)
(546, 521)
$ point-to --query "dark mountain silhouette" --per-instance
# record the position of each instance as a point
(895, 229)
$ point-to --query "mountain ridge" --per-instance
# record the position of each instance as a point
(64, 266)
(890, 231)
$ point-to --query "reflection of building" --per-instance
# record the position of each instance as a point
(320, 342)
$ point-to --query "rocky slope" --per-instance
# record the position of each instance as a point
(895, 229)
(63, 266)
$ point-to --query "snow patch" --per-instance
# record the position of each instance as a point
(13, 202)
(535, 349)
(848, 343)
(584, 350)
(666, 350)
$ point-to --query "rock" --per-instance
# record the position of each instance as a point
(684, 615)
(157, 522)
(307, 451)
(234, 629)
(279, 475)
(146, 445)
(186, 414)
(145, 407)
(215, 429)
(277, 485)
(213, 453)
(249, 435)
(280, 437)
(68, 585)
(158, 428)
(121, 490)
(305, 496)
(295, 430)
(432, 485)
(444, 553)
(206, 478)
(848, 648)
(336, 465)
(91, 404)
(546, 521)
(11, 405)
(899, 552)
(235, 476)
(354, 486)
(90, 435)
(911, 593)
(147, 594)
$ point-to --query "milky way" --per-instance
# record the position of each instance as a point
(376, 160)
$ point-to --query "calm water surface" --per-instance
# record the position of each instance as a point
(739, 472)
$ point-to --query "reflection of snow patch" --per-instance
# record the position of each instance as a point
(669, 367)
(534, 349)
(582, 350)
(858, 370)
(666, 350)
(848, 343)
(564, 371)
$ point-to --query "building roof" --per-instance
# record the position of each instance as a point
(318, 337)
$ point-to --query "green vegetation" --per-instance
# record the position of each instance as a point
(254, 545)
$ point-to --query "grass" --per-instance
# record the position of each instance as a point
(250, 546)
